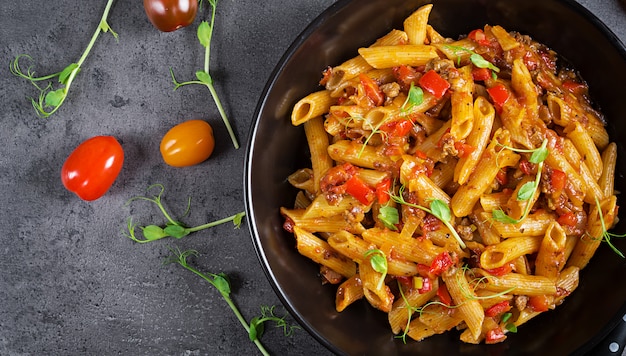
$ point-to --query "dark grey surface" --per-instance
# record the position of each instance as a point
(70, 283)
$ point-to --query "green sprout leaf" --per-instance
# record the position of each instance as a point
(526, 191)
(49, 99)
(378, 261)
(415, 97)
(481, 62)
(389, 216)
(173, 228)
(438, 208)
(205, 33)
(220, 282)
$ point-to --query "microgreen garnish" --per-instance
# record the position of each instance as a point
(205, 33)
(414, 97)
(511, 327)
(529, 189)
(220, 281)
(378, 261)
(172, 228)
(437, 208)
(413, 309)
(476, 59)
(606, 235)
(389, 216)
(51, 99)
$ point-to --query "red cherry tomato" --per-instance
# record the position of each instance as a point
(90, 170)
(170, 15)
(188, 143)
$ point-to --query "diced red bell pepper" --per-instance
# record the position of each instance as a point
(433, 83)
(382, 191)
(498, 308)
(405, 75)
(360, 190)
(371, 90)
(499, 94)
(398, 128)
(444, 295)
(479, 37)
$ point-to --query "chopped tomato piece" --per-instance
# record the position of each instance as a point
(360, 190)
(481, 74)
(500, 271)
(539, 303)
(405, 75)
(371, 90)
(382, 191)
(494, 336)
(433, 83)
(499, 94)
(398, 128)
(526, 167)
(464, 149)
(567, 219)
(501, 176)
(440, 263)
(326, 75)
(574, 87)
(498, 308)
(479, 37)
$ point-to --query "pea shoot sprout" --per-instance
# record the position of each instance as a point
(205, 33)
(51, 99)
(438, 208)
(529, 189)
(173, 228)
(220, 281)
(606, 235)
(378, 261)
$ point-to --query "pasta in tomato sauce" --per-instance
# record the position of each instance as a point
(454, 183)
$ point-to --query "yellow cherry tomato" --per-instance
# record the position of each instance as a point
(188, 143)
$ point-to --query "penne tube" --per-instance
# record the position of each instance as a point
(496, 256)
(311, 106)
(348, 292)
(393, 56)
(320, 251)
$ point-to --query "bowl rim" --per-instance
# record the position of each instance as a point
(301, 38)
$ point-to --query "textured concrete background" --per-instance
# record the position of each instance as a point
(70, 282)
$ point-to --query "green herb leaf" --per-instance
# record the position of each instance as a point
(221, 283)
(526, 191)
(153, 232)
(176, 231)
(204, 77)
(379, 263)
(65, 73)
(389, 217)
(55, 98)
(440, 210)
(415, 97)
(204, 34)
(540, 154)
(500, 215)
(511, 327)
(481, 62)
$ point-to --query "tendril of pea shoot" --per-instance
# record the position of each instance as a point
(469, 296)
(438, 208)
(255, 327)
(205, 33)
(606, 235)
(172, 228)
(50, 99)
(529, 189)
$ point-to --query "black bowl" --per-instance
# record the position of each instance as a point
(276, 149)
